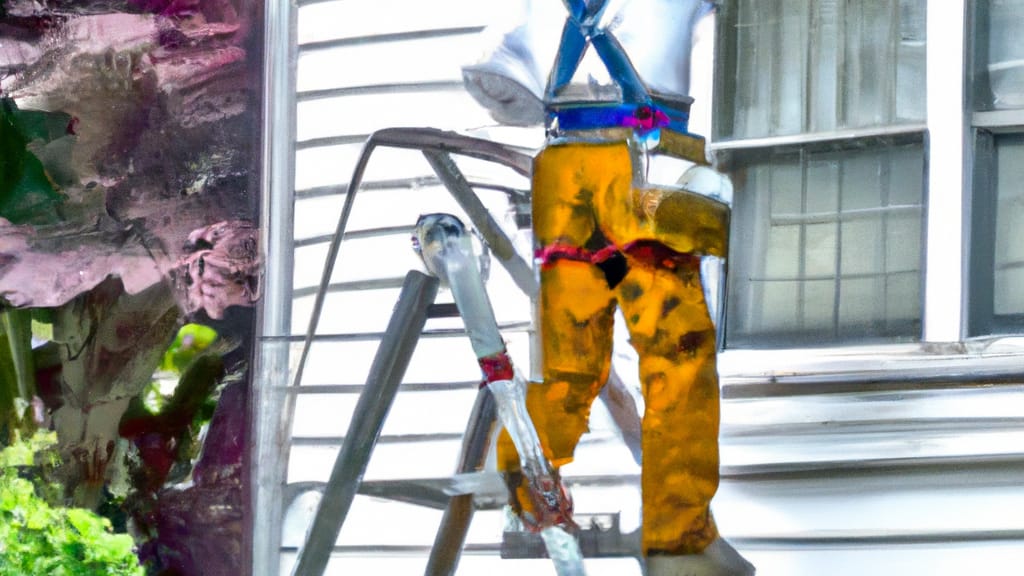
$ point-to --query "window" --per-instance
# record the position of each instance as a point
(821, 127)
(817, 96)
(997, 266)
(796, 67)
(837, 245)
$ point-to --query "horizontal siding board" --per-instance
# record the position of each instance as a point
(363, 114)
(420, 60)
(381, 209)
(358, 259)
(871, 506)
(392, 37)
(346, 312)
(414, 561)
(389, 461)
(329, 415)
(375, 284)
(368, 233)
(411, 88)
(333, 165)
(317, 217)
(406, 183)
(357, 388)
(339, 320)
(435, 359)
(903, 405)
(940, 559)
(349, 362)
(410, 440)
(368, 311)
(358, 18)
(405, 206)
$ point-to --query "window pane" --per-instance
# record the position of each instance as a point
(1000, 55)
(811, 66)
(910, 62)
(820, 251)
(861, 241)
(1008, 289)
(860, 311)
(822, 79)
(867, 79)
(832, 255)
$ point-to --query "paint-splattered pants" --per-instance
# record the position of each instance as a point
(605, 242)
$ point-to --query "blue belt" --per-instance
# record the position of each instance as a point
(643, 118)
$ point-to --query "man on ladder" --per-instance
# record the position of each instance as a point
(606, 237)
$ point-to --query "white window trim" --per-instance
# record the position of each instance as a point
(948, 183)
(999, 120)
(269, 431)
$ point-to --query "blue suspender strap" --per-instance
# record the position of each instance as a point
(581, 28)
(567, 59)
(619, 67)
(638, 111)
(585, 13)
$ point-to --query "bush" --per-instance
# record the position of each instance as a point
(37, 538)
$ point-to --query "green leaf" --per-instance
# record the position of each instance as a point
(42, 330)
(33, 199)
(12, 148)
(191, 340)
(18, 326)
(9, 392)
(24, 453)
(37, 539)
(26, 193)
(41, 125)
(17, 455)
(87, 523)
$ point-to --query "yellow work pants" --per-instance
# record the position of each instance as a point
(585, 205)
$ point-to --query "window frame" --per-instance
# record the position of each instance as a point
(985, 127)
(269, 428)
(946, 352)
(734, 153)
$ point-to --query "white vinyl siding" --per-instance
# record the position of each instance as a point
(364, 66)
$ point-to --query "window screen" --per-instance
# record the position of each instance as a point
(792, 66)
(999, 55)
(826, 246)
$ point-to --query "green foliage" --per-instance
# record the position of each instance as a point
(152, 398)
(17, 372)
(27, 195)
(33, 451)
(191, 371)
(39, 539)
(190, 341)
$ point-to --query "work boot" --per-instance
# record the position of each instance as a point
(718, 559)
